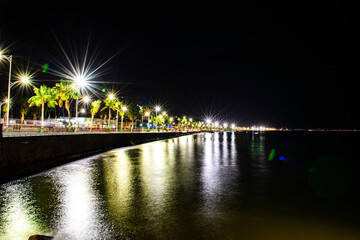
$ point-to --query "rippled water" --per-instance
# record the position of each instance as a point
(205, 186)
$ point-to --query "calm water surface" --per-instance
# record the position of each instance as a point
(205, 186)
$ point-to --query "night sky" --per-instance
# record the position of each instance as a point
(278, 64)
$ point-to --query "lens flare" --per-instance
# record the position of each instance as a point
(81, 66)
(271, 155)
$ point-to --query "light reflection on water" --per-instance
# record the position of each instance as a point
(205, 186)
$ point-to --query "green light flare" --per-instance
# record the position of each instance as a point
(45, 68)
(271, 155)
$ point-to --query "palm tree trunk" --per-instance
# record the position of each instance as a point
(109, 117)
(42, 114)
(92, 119)
(67, 107)
(122, 119)
(117, 121)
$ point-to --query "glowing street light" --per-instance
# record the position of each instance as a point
(25, 79)
(86, 99)
(80, 81)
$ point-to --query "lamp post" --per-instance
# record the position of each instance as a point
(9, 59)
(80, 82)
(157, 109)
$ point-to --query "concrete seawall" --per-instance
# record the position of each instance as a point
(23, 156)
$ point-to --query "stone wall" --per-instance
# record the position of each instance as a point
(22, 156)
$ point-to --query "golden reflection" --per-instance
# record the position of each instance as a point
(19, 219)
(233, 148)
(79, 216)
(156, 171)
(117, 171)
(217, 177)
(210, 172)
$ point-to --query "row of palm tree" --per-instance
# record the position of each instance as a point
(62, 94)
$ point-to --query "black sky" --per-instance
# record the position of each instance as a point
(280, 64)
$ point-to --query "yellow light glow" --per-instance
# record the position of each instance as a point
(80, 81)
(86, 99)
(111, 96)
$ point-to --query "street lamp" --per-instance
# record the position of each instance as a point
(25, 79)
(9, 59)
(86, 99)
(80, 82)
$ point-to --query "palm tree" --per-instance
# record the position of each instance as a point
(24, 109)
(133, 112)
(43, 95)
(95, 106)
(65, 90)
(118, 106)
(122, 114)
(143, 110)
(110, 102)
